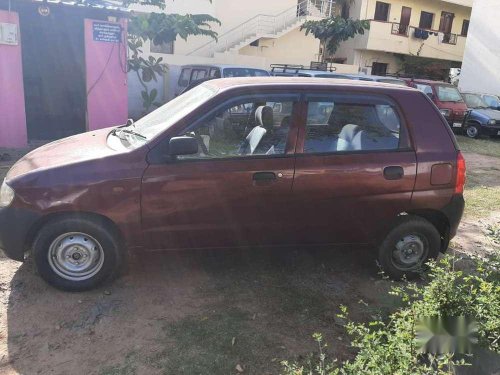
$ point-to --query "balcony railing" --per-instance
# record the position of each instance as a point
(400, 29)
(405, 30)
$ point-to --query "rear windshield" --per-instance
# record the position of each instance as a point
(447, 93)
(245, 72)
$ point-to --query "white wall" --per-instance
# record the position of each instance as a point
(481, 64)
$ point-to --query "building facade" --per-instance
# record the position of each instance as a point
(435, 29)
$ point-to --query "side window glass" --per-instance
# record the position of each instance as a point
(198, 74)
(242, 129)
(340, 126)
(214, 73)
(184, 77)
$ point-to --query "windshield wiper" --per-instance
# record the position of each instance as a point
(118, 131)
(127, 131)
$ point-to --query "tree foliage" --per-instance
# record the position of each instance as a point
(334, 30)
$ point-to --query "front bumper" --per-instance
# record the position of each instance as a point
(15, 225)
(490, 130)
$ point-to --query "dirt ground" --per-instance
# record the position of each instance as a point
(207, 312)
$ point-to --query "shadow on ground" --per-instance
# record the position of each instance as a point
(194, 313)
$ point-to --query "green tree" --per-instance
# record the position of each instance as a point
(334, 30)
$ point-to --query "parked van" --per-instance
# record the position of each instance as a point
(242, 162)
(190, 74)
(446, 97)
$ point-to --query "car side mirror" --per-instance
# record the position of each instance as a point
(183, 146)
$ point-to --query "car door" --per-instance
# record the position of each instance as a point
(235, 191)
(355, 170)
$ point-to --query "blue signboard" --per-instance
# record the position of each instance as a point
(107, 32)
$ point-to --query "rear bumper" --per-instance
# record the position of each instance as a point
(14, 228)
(454, 211)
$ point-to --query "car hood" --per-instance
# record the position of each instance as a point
(492, 114)
(72, 150)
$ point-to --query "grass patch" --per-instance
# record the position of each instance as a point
(214, 343)
(480, 201)
(489, 147)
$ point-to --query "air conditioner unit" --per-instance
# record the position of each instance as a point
(8, 34)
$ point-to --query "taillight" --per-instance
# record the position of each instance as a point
(461, 175)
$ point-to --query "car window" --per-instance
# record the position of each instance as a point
(244, 72)
(491, 101)
(351, 125)
(184, 77)
(214, 73)
(198, 74)
(426, 89)
(448, 94)
(474, 101)
(243, 128)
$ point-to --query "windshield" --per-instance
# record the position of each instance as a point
(158, 121)
(474, 101)
(492, 101)
(244, 72)
(448, 94)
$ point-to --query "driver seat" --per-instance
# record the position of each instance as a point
(264, 119)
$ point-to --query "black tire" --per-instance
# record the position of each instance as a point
(111, 256)
(472, 131)
(408, 227)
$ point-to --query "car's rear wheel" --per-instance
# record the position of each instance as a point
(472, 131)
(77, 254)
(408, 246)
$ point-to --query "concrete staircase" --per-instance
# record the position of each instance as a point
(266, 26)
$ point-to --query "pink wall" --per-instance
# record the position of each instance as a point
(107, 101)
(13, 132)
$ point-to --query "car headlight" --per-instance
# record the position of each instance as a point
(6, 195)
(492, 122)
(445, 112)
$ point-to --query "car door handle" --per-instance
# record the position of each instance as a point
(394, 173)
(264, 176)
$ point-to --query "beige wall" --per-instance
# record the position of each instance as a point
(292, 48)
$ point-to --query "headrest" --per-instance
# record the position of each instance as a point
(264, 117)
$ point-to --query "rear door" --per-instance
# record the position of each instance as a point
(233, 192)
(355, 170)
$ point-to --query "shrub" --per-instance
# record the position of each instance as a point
(389, 346)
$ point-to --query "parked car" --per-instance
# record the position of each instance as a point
(446, 97)
(383, 79)
(196, 73)
(482, 120)
(242, 162)
(284, 70)
(492, 101)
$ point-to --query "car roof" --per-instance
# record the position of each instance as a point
(312, 71)
(373, 77)
(429, 82)
(228, 83)
(223, 66)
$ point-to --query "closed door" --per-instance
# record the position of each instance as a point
(446, 22)
(405, 20)
(354, 171)
(236, 190)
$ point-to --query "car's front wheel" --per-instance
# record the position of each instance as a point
(77, 254)
(473, 131)
(408, 246)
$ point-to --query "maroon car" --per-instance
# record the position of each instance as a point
(242, 162)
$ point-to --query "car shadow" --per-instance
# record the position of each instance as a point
(51, 331)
